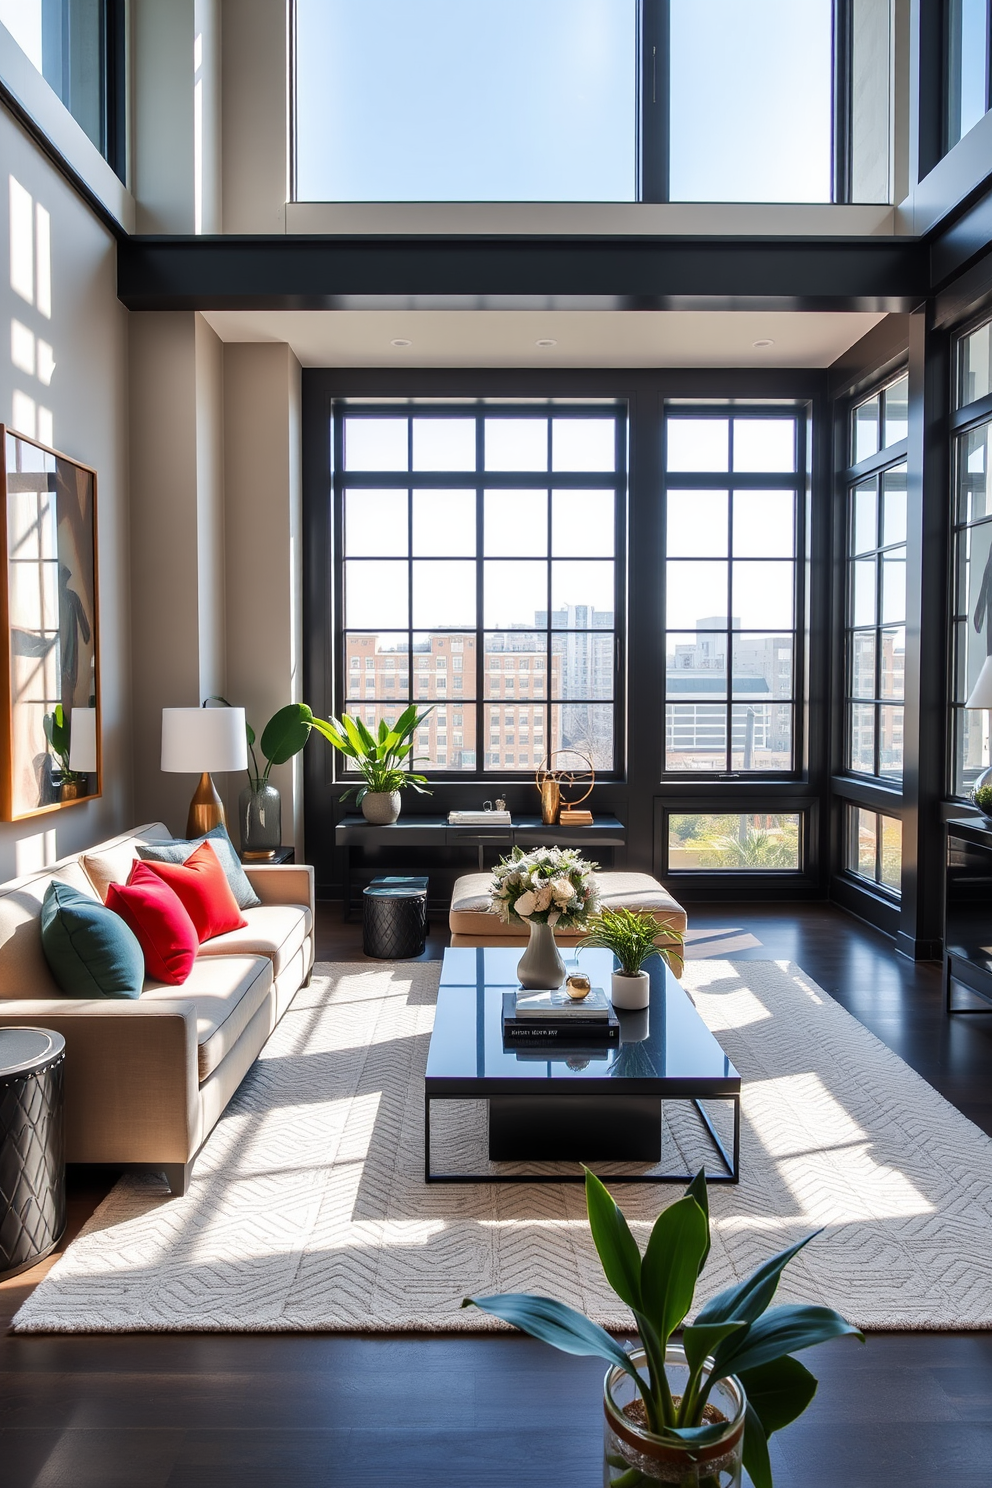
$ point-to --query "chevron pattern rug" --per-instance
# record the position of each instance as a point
(308, 1209)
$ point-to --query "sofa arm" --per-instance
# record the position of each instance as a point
(131, 1081)
(282, 883)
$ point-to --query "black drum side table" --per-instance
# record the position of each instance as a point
(394, 918)
(32, 1146)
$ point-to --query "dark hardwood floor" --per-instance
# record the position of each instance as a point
(277, 1411)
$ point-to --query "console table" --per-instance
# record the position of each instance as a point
(968, 910)
(435, 832)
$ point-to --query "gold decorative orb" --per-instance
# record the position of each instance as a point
(578, 986)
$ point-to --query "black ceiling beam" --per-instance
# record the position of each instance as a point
(374, 272)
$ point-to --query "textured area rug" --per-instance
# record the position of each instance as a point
(308, 1209)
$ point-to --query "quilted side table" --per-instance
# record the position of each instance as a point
(32, 1147)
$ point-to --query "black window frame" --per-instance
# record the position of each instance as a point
(796, 481)
(481, 480)
(872, 467)
(875, 884)
(951, 80)
(963, 419)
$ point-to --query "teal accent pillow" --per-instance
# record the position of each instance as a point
(90, 950)
(179, 850)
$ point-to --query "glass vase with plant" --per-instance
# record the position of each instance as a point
(634, 937)
(684, 1413)
(382, 760)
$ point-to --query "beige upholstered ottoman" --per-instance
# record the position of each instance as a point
(472, 923)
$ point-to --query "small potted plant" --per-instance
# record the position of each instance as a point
(684, 1413)
(632, 936)
(541, 889)
(380, 759)
(57, 732)
(982, 797)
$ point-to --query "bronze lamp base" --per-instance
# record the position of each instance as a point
(206, 810)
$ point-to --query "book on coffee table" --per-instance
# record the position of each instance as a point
(558, 1004)
(555, 1031)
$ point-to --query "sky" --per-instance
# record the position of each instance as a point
(535, 100)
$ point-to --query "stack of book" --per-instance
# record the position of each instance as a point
(553, 1019)
(478, 818)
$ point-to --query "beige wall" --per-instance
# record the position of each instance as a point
(215, 471)
(256, 115)
(82, 410)
(262, 392)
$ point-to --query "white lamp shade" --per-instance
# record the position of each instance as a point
(195, 740)
(981, 693)
(82, 740)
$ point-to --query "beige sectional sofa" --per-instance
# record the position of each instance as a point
(147, 1078)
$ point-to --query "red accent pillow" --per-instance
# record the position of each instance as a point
(155, 913)
(202, 885)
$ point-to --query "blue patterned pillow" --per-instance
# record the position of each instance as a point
(179, 850)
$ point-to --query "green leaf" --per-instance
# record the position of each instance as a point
(781, 1331)
(756, 1458)
(671, 1264)
(552, 1322)
(286, 733)
(749, 1298)
(701, 1340)
(697, 1190)
(778, 1392)
(249, 734)
(616, 1246)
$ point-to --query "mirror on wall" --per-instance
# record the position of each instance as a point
(50, 747)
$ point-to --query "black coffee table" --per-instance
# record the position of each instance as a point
(573, 1104)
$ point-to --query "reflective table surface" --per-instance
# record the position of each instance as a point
(664, 1050)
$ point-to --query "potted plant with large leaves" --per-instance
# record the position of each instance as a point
(381, 759)
(58, 733)
(684, 1413)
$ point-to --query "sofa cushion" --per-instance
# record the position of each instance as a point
(159, 919)
(91, 951)
(24, 972)
(204, 890)
(227, 992)
(110, 865)
(179, 850)
(273, 930)
(470, 913)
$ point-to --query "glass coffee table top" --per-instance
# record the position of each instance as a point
(664, 1050)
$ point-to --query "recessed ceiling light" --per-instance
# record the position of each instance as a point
(401, 341)
(546, 341)
(764, 341)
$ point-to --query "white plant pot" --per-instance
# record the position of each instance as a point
(630, 992)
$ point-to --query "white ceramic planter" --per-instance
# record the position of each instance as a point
(630, 992)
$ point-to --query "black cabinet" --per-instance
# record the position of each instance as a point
(968, 911)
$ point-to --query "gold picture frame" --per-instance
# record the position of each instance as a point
(50, 746)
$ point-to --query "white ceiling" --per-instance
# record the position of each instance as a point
(584, 338)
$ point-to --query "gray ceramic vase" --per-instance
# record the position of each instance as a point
(381, 808)
(540, 968)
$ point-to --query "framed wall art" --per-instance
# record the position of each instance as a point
(49, 620)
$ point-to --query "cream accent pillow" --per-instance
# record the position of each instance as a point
(110, 867)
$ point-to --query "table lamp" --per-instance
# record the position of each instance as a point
(981, 697)
(196, 741)
(82, 740)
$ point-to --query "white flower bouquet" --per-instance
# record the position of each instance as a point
(549, 886)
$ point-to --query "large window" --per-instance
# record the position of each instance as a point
(731, 612)
(592, 100)
(480, 567)
(875, 631)
(466, 100)
(969, 25)
(78, 47)
(972, 581)
(750, 100)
